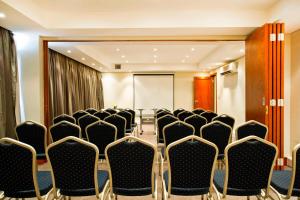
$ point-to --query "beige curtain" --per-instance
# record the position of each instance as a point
(73, 85)
(8, 83)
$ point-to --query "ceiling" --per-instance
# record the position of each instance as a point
(152, 56)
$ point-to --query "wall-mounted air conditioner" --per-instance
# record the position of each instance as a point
(231, 68)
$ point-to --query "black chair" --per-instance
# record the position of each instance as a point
(163, 113)
(101, 134)
(101, 114)
(162, 109)
(91, 110)
(119, 122)
(226, 119)
(128, 117)
(208, 115)
(249, 166)
(251, 127)
(131, 162)
(64, 129)
(184, 114)
(34, 134)
(198, 111)
(64, 117)
(219, 134)
(161, 123)
(197, 122)
(74, 169)
(191, 163)
(19, 173)
(111, 111)
(286, 183)
(134, 124)
(177, 111)
(84, 121)
(79, 114)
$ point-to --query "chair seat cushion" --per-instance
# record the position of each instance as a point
(102, 179)
(219, 183)
(221, 157)
(129, 130)
(281, 181)
(184, 191)
(134, 125)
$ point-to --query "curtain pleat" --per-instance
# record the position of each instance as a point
(73, 85)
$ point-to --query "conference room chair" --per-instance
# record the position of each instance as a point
(84, 121)
(163, 113)
(128, 117)
(198, 111)
(162, 109)
(191, 162)
(248, 171)
(286, 183)
(91, 110)
(184, 114)
(134, 124)
(19, 173)
(101, 134)
(64, 129)
(226, 119)
(79, 114)
(111, 111)
(74, 169)
(218, 133)
(119, 122)
(64, 117)
(131, 163)
(251, 127)
(197, 122)
(161, 123)
(208, 115)
(177, 111)
(101, 114)
(34, 134)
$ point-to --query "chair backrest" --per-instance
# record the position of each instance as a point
(251, 127)
(162, 113)
(176, 131)
(177, 111)
(208, 115)
(101, 134)
(137, 160)
(119, 122)
(86, 120)
(226, 119)
(162, 109)
(79, 114)
(295, 181)
(181, 116)
(64, 117)
(132, 112)
(198, 111)
(249, 165)
(34, 134)
(91, 110)
(161, 123)
(18, 168)
(74, 165)
(102, 114)
(191, 163)
(218, 133)
(111, 111)
(197, 122)
(64, 129)
(128, 117)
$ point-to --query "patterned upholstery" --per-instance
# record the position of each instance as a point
(197, 122)
(91, 110)
(208, 115)
(110, 111)
(249, 167)
(101, 134)
(132, 112)
(297, 175)
(73, 165)
(191, 164)
(134, 178)
(161, 123)
(251, 128)
(198, 111)
(162, 110)
(128, 117)
(183, 115)
(225, 119)
(102, 114)
(217, 133)
(177, 111)
(64, 129)
(16, 172)
(64, 117)
(119, 122)
(33, 134)
(79, 114)
(163, 113)
(84, 121)
(175, 131)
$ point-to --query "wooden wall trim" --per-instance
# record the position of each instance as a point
(46, 85)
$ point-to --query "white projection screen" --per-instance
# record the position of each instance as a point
(153, 91)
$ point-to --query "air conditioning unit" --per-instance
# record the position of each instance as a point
(231, 68)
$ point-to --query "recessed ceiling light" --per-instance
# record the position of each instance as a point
(127, 61)
(122, 56)
(187, 56)
(155, 61)
(155, 56)
(130, 71)
(228, 58)
(2, 15)
(219, 63)
(242, 50)
(155, 49)
(82, 58)
(100, 68)
(117, 49)
(93, 64)
(69, 51)
(193, 49)
(183, 61)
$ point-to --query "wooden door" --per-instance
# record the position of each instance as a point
(204, 93)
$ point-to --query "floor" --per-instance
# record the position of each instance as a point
(149, 136)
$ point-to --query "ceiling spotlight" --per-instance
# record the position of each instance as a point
(69, 51)
(219, 63)
(155, 56)
(227, 58)
(187, 56)
(117, 49)
(100, 68)
(183, 61)
(155, 61)
(193, 49)
(127, 61)
(155, 49)
(82, 58)
(93, 64)
(242, 50)
(2, 15)
(122, 56)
